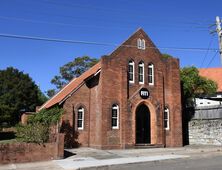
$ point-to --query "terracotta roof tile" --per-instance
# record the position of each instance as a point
(214, 74)
(72, 85)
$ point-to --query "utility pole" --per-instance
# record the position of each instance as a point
(219, 32)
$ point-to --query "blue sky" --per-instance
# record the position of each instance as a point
(172, 23)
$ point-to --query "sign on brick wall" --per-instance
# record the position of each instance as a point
(144, 93)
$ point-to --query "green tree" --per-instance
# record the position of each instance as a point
(41, 98)
(166, 56)
(51, 92)
(70, 70)
(18, 93)
(193, 84)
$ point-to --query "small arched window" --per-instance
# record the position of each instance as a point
(131, 71)
(115, 116)
(141, 73)
(143, 44)
(151, 74)
(80, 118)
(139, 43)
(166, 118)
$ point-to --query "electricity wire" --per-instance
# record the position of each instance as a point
(100, 43)
(212, 59)
(205, 56)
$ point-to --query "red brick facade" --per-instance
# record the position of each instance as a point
(111, 86)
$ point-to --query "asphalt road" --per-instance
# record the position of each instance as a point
(201, 163)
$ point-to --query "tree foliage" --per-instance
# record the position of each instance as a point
(38, 128)
(193, 84)
(18, 93)
(46, 116)
(166, 56)
(70, 70)
(51, 92)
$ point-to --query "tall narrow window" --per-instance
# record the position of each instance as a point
(80, 118)
(143, 44)
(115, 116)
(166, 118)
(151, 74)
(131, 72)
(139, 43)
(141, 73)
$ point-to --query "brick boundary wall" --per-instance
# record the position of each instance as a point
(30, 152)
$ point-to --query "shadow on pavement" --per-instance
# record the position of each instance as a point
(68, 154)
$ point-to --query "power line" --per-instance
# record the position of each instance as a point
(209, 45)
(112, 9)
(184, 26)
(197, 23)
(52, 39)
(212, 59)
(100, 44)
(75, 25)
(55, 23)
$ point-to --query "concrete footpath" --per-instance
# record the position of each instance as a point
(86, 158)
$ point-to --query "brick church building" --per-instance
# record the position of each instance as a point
(130, 97)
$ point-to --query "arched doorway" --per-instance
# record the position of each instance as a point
(143, 125)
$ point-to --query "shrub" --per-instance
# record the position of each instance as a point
(38, 127)
(36, 133)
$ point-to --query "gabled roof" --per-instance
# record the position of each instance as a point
(77, 82)
(127, 42)
(71, 86)
(214, 74)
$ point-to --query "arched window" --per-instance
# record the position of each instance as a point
(131, 72)
(151, 74)
(166, 118)
(80, 118)
(139, 43)
(141, 73)
(115, 116)
(143, 44)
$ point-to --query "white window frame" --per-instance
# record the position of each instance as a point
(131, 63)
(141, 64)
(143, 44)
(139, 43)
(116, 107)
(167, 111)
(81, 109)
(152, 75)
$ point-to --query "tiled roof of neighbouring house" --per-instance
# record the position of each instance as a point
(70, 87)
(214, 74)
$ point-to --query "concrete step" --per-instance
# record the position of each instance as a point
(146, 145)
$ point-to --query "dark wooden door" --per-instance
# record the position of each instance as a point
(142, 125)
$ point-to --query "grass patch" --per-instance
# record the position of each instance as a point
(8, 141)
